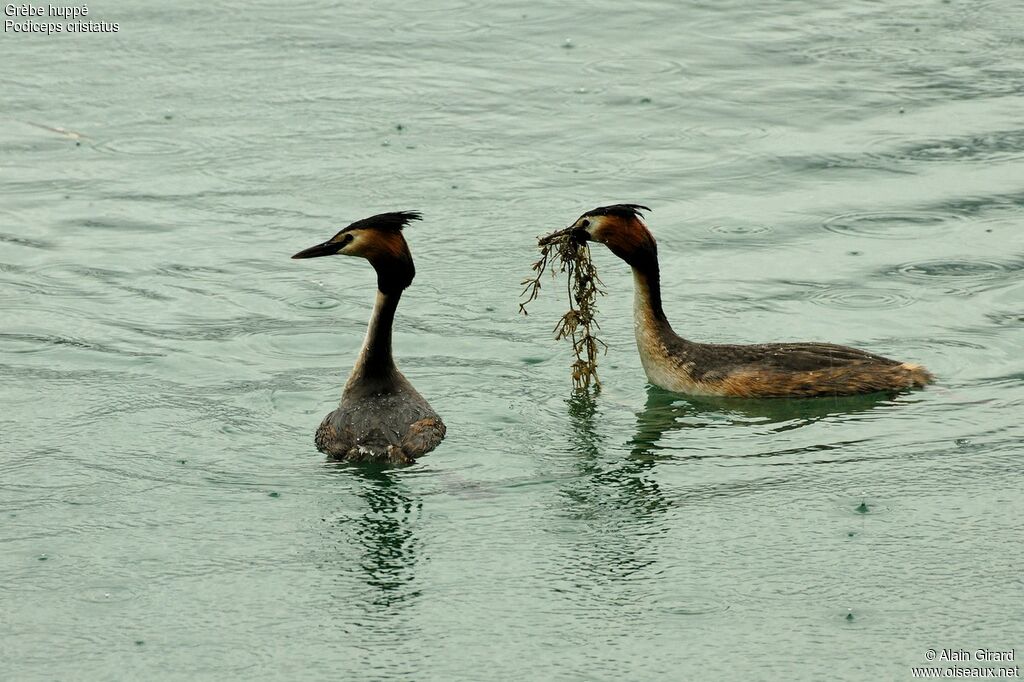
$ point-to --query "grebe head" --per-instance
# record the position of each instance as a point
(621, 228)
(379, 240)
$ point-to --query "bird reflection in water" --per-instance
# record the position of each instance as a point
(620, 505)
(616, 482)
(616, 509)
(383, 534)
(666, 411)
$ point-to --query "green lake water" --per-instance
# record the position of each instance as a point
(849, 172)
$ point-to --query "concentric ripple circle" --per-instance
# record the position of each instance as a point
(634, 65)
(179, 147)
(865, 54)
(952, 270)
(890, 224)
(861, 298)
(740, 231)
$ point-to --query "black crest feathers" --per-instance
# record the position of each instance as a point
(619, 210)
(385, 222)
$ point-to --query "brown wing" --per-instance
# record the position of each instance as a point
(797, 370)
(423, 436)
(716, 361)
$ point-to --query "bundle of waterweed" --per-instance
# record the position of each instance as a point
(583, 287)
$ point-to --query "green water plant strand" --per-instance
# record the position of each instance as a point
(583, 286)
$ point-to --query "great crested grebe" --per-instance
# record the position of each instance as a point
(381, 416)
(764, 370)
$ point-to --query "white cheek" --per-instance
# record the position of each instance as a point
(350, 249)
(600, 231)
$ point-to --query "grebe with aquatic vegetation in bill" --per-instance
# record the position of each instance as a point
(764, 370)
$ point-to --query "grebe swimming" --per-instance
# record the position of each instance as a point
(765, 370)
(381, 416)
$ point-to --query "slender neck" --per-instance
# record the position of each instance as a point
(375, 359)
(647, 288)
